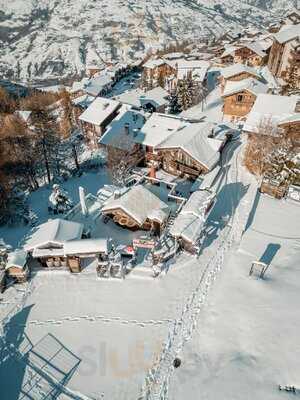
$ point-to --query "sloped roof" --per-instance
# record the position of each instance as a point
(99, 110)
(251, 85)
(291, 118)
(154, 63)
(158, 128)
(17, 258)
(287, 33)
(237, 69)
(255, 47)
(83, 101)
(138, 202)
(198, 68)
(95, 85)
(229, 51)
(157, 95)
(85, 246)
(189, 223)
(117, 135)
(55, 231)
(273, 108)
(193, 140)
(25, 115)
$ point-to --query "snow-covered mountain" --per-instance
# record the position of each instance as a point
(43, 39)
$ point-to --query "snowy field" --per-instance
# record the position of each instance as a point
(247, 340)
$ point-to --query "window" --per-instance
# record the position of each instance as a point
(239, 98)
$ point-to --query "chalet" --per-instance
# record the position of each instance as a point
(196, 69)
(94, 69)
(188, 224)
(97, 117)
(121, 132)
(237, 72)
(77, 88)
(291, 128)
(138, 208)
(80, 104)
(267, 112)
(16, 266)
(250, 53)
(189, 151)
(239, 97)
(154, 100)
(157, 128)
(284, 59)
(98, 86)
(47, 243)
(154, 69)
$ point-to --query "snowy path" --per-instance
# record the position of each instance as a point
(158, 378)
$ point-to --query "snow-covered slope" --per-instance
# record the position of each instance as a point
(49, 38)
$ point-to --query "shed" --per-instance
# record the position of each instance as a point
(16, 266)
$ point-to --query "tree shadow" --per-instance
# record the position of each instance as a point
(253, 211)
(227, 202)
(30, 371)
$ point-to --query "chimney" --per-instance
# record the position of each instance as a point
(152, 173)
(82, 201)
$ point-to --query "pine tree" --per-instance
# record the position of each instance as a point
(184, 94)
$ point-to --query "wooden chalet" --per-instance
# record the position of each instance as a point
(189, 151)
(291, 128)
(274, 188)
(154, 69)
(284, 59)
(17, 267)
(47, 243)
(271, 110)
(138, 208)
(96, 118)
(79, 105)
(250, 53)
(118, 139)
(237, 72)
(239, 97)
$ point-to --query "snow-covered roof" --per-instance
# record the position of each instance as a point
(86, 246)
(157, 128)
(291, 118)
(83, 101)
(17, 259)
(237, 69)
(153, 63)
(229, 51)
(138, 98)
(198, 68)
(251, 85)
(138, 202)
(56, 232)
(79, 85)
(95, 85)
(25, 115)
(194, 141)
(120, 133)
(173, 56)
(189, 223)
(100, 109)
(270, 107)
(287, 33)
(256, 48)
(157, 96)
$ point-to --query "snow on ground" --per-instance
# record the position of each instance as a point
(211, 108)
(38, 202)
(247, 338)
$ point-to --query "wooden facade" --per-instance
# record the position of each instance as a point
(273, 189)
(284, 61)
(125, 220)
(238, 105)
(93, 132)
(17, 273)
(235, 78)
(291, 131)
(247, 56)
(178, 162)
